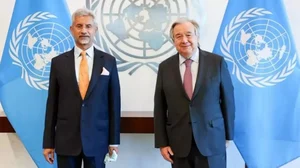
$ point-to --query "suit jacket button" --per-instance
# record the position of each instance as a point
(83, 105)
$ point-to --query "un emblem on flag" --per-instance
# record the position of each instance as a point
(259, 48)
(34, 42)
(137, 32)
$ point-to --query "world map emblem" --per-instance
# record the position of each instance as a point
(259, 48)
(34, 42)
(137, 32)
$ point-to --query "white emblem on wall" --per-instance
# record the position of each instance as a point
(137, 32)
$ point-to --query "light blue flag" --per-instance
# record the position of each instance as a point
(39, 31)
(256, 41)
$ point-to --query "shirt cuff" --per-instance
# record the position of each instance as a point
(113, 145)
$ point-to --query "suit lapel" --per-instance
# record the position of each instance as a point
(97, 69)
(200, 74)
(71, 63)
(178, 80)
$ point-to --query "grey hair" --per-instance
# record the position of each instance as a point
(184, 20)
(84, 12)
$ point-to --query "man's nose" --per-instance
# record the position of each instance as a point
(184, 39)
(83, 30)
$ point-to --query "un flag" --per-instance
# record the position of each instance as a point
(39, 31)
(256, 41)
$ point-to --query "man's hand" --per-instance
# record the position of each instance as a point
(167, 152)
(111, 149)
(49, 155)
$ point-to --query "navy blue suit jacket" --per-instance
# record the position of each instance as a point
(73, 125)
(208, 116)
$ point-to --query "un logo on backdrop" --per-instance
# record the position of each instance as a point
(34, 42)
(137, 32)
(259, 48)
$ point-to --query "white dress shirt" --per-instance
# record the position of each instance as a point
(194, 67)
(78, 58)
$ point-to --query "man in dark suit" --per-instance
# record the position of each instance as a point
(194, 103)
(83, 107)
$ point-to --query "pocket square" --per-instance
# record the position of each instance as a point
(105, 72)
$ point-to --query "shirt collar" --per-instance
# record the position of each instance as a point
(194, 57)
(89, 52)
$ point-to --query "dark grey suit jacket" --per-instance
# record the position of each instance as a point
(209, 116)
